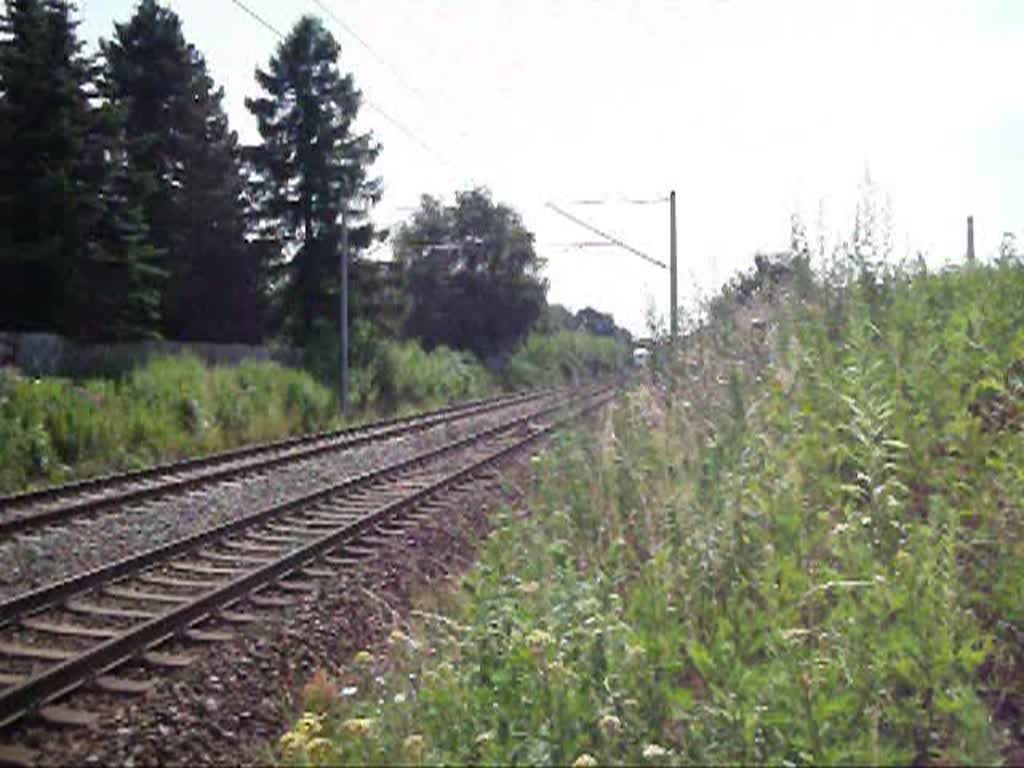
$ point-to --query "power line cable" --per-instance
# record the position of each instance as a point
(258, 18)
(369, 48)
(380, 59)
(369, 102)
(621, 201)
(607, 237)
(398, 76)
(441, 158)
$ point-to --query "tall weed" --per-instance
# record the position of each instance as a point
(55, 429)
(806, 550)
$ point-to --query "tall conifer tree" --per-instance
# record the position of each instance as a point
(67, 201)
(309, 167)
(179, 133)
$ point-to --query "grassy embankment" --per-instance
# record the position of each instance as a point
(814, 555)
(53, 430)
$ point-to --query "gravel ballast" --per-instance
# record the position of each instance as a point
(233, 703)
(34, 560)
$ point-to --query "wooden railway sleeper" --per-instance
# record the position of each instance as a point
(92, 609)
(271, 601)
(126, 593)
(267, 538)
(167, 581)
(220, 557)
(68, 630)
(246, 546)
(204, 570)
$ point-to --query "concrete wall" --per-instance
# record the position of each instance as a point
(47, 354)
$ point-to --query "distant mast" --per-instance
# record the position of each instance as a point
(970, 238)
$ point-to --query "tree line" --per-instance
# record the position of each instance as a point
(129, 209)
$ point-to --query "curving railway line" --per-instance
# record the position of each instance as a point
(111, 630)
(32, 510)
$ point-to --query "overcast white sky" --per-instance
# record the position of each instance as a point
(749, 109)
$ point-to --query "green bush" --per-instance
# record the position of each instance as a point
(563, 358)
(54, 429)
(403, 374)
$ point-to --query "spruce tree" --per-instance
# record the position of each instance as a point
(179, 133)
(44, 119)
(309, 167)
(61, 211)
(116, 287)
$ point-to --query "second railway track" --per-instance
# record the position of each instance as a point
(29, 511)
(78, 632)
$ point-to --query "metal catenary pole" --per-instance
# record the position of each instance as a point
(970, 238)
(343, 311)
(674, 306)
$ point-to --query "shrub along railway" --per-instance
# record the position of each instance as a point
(75, 633)
(35, 509)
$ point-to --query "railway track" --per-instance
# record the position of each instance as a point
(32, 510)
(103, 630)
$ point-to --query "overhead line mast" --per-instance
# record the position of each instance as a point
(673, 297)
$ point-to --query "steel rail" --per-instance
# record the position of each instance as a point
(85, 484)
(339, 441)
(65, 677)
(44, 597)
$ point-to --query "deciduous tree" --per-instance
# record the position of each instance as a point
(472, 275)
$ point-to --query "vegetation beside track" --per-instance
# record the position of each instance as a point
(812, 553)
(54, 430)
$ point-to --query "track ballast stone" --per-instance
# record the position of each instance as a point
(34, 560)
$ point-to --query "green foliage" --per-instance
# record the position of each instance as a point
(472, 275)
(310, 171)
(815, 558)
(177, 133)
(74, 255)
(54, 429)
(402, 373)
(563, 357)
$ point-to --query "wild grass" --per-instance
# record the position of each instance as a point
(403, 375)
(805, 547)
(55, 429)
(563, 358)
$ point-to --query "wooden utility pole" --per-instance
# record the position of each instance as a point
(343, 312)
(673, 269)
(970, 238)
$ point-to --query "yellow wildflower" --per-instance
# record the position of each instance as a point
(291, 742)
(413, 746)
(363, 658)
(358, 726)
(538, 638)
(584, 761)
(398, 636)
(320, 750)
(309, 724)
